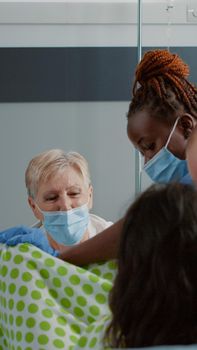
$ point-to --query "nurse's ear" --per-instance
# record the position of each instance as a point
(186, 124)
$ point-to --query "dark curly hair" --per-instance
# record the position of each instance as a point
(154, 298)
(161, 85)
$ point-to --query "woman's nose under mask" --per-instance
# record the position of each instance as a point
(66, 227)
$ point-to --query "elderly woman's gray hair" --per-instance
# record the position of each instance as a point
(49, 163)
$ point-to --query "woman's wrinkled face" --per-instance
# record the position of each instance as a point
(149, 134)
(63, 191)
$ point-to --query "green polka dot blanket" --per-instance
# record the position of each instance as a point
(48, 304)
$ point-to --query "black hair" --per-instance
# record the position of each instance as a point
(154, 298)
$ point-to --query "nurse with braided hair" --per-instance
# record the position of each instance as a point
(162, 114)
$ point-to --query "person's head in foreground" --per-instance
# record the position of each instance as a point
(162, 115)
(60, 195)
(192, 155)
(154, 298)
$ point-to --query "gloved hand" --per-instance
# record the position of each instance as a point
(23, 234)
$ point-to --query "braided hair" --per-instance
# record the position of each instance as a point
(161, 85)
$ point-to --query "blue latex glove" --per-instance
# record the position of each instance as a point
(23, 234)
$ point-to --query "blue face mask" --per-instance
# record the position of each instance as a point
(164, 167)
(67, 227)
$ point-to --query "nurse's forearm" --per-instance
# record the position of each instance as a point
(103, 246)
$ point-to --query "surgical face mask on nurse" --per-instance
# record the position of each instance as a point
(62, 204)
(165, 167)
(163, 149)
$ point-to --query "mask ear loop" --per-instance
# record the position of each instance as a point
(174, 127)
(40, 210)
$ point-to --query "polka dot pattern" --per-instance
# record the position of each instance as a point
(46, 303)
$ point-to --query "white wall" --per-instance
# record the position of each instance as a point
(96, 23)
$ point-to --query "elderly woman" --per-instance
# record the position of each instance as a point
(60, 195)
(55, 301)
